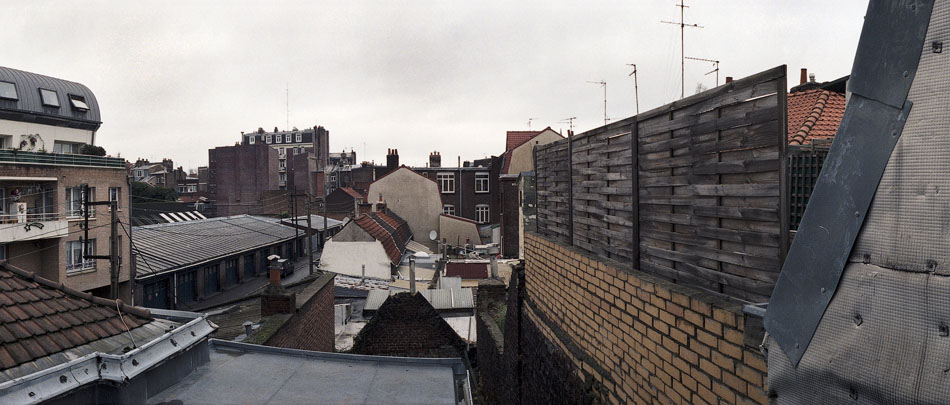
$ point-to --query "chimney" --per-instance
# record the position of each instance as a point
(811, 77)
(804, 77)
(275, 299)
(728, 79)
(392, 159)
(275, 129)
(494, 267)
(460, 162)
(435, 159)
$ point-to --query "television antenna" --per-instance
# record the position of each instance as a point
(715, 67)
(569, 122)
(636, 90)
(529, 122)
(683, 26)
(603, 84)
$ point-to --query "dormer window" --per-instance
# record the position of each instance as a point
(50, 98)
(78, 102)
(8, 91)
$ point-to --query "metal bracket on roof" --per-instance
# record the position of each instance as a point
(893, 32)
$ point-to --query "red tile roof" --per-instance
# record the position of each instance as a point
(506, 162)
(515, 139)
(39, 317)
(353, 193)
(467, 270)
(814, 114)
(390, 230)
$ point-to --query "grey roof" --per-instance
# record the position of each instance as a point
(442, 299)
(166, 247)
(316, 222)
(28, 87)
(254, 374)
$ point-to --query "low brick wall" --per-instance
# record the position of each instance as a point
(593, 332)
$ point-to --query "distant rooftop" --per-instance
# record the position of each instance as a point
(243, 373)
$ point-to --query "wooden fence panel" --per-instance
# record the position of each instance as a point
(693, 191)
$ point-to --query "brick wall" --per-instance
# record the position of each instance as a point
(615, 335)
(312, 326)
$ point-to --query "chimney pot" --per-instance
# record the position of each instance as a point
(804, 76)
(811, 77)
(728, 79)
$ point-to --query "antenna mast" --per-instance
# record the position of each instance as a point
(636, 90)
(529, 122)
(570, 122)
(683, 26)
(603, 84)
(715, 67)
(287, 103)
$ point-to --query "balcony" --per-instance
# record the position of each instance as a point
(60, 159)
(23, 227)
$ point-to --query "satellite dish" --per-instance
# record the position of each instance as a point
(433, 235)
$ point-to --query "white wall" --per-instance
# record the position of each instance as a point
(522, 158)
(47, 133)
(413, 198)
(348, 258)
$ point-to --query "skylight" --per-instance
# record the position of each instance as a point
(49, 98)
(79, 102)
(8, 91)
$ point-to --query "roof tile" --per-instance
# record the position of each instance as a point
(814, 114)
(388, 228)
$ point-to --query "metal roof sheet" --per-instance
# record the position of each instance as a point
(165, 247)
(29, 100)
(442, 299)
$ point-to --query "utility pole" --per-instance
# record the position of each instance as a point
(715, 67)
(683, 26)
(113, 256)
(603, 84)
(636, 89)
(309, 235)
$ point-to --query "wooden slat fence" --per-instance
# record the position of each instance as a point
(707, 205)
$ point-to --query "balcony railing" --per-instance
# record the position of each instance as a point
(28, 218)
(87, 264)
(15, 156)
(23, 227)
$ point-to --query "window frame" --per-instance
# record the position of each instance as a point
(118, 196)
(251, 139)
(298, 137)
(268, 139)
(43, 98)
(444, 179)
(80, 265)
(482, 209)
(78, 102)
(72, 212)
(446, 208)
(482, 178)
(16, 93)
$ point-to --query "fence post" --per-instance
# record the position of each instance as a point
(635, 198)
(570, 187)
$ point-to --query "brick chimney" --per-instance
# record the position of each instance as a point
(728, 79)
(435, 159)
(392, 159)
(275, 299)
(804, 77)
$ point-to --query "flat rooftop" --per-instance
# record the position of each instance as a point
(242, 373)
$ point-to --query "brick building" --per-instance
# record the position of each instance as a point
(314, 141)
(406, 325)
(239, 176)
(44, 122)
(467, 191)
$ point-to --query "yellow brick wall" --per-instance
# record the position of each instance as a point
(642, 338)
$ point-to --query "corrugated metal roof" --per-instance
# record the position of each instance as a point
(28, 87)
(166, 247)
(443, 299)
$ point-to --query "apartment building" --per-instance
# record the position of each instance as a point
(44, 122)
(287, 143)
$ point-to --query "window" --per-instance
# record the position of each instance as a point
(74, 201)
(74, 260)
(267, 139)
(8, 91)
(66, 147)
(299, 137)
(283, 178)
(78, 102)
(50, 99)
(115, 194)
(281, 151)
(282, 164)
(446, 182)
(192, 188)
(3, 201)
(481, 213)
(448, 209)
(250, 139)
(481, 182)
(278, 138)
(288, 138)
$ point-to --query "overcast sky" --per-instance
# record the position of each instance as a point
(174, 79)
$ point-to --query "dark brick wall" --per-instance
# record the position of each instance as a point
(406, 325)
(238, 176)
(465, 198)
(509, 217)
(278, 303)
(312, 327)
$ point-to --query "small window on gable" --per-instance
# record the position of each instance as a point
(78, 102)
(8, 91)
(50, 99)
